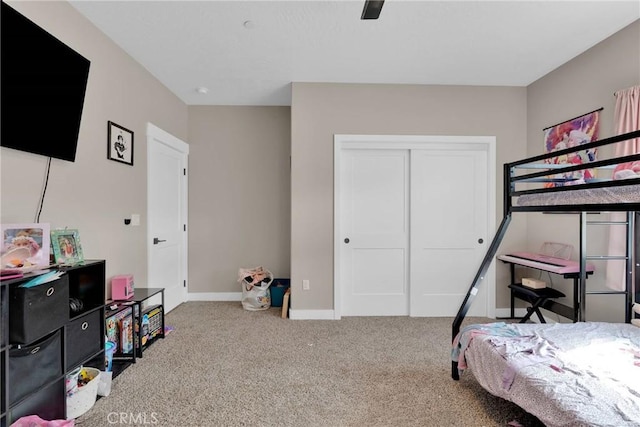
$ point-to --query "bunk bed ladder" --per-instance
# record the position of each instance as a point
(473, 289)
(636, 261)
(580, 300)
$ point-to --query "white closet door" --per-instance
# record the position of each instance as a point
(375, 223)
(449, 199)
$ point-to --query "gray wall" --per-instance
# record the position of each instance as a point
(94, 194)
(239, 194)
(581, 85)
(321, 110)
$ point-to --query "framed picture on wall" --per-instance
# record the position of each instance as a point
(569, 134)
(66, 246)
(120, 144)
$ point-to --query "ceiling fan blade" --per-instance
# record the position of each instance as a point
(372, 9)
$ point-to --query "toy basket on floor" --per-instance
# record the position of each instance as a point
(84, 397)
(255, 288)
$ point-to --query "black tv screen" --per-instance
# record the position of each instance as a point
(42, 89)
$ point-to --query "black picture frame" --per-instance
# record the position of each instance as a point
(119, 143)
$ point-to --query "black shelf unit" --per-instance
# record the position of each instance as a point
(120, 360)
(155, 330)
(139, 305)
(79, 340)
(140, 298)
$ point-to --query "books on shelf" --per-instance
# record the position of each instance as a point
(42, 279)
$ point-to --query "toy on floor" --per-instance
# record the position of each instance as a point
(636, 309)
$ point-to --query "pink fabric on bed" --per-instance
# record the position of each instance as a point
(627, 170)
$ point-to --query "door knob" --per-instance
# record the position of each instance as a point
(346, 240)
(156, 240)
(480, 241)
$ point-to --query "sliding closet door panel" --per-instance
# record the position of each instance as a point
(448, 229)
(374, 228)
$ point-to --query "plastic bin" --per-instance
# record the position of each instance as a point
(278, 288)
(85, 397)
(71, 381)
(109, 349)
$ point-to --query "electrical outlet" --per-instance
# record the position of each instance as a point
(305, 285)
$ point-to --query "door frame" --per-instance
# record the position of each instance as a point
(408, 142)
(155, 135)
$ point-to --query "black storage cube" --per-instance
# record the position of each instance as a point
(34, 365)
(37, 311)
(48, 403)
(83, 338)
(86, 285)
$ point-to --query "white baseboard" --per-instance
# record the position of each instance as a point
(311, 314)
(215, 296)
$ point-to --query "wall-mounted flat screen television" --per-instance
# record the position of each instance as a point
(42, 89)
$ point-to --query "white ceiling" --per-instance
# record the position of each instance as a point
(189, 44)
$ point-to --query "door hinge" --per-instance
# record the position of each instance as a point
(184, 227)
(184, 283)
(184, 172)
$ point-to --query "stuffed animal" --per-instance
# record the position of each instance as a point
(636, 309)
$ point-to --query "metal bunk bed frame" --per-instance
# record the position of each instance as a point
(510, 180)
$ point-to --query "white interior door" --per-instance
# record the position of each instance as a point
(375, 227)
(167, 213)
(449, 198)
(416, 211)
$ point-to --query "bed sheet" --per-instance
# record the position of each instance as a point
(570, 375)
(607, 195)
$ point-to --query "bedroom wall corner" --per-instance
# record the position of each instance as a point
(583, 84)
(239, 195)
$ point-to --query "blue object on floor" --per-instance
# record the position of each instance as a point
(278, 288)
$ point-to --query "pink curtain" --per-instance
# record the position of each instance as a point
(626, 119)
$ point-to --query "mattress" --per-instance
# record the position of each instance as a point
(575, 374)
(607, 195)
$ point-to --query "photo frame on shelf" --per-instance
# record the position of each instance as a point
(66, 246)
(25, 247)
(119, 143)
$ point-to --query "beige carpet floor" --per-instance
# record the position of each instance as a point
(224, 366)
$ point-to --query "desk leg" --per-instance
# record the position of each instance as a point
(513, 281)
(576, 299)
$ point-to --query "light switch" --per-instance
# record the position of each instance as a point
(135, 219)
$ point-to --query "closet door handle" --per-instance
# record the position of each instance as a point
(347, 240)
(480, 240)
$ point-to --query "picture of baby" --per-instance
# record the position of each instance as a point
(33, 237)
(24, 238)
(66, 246)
